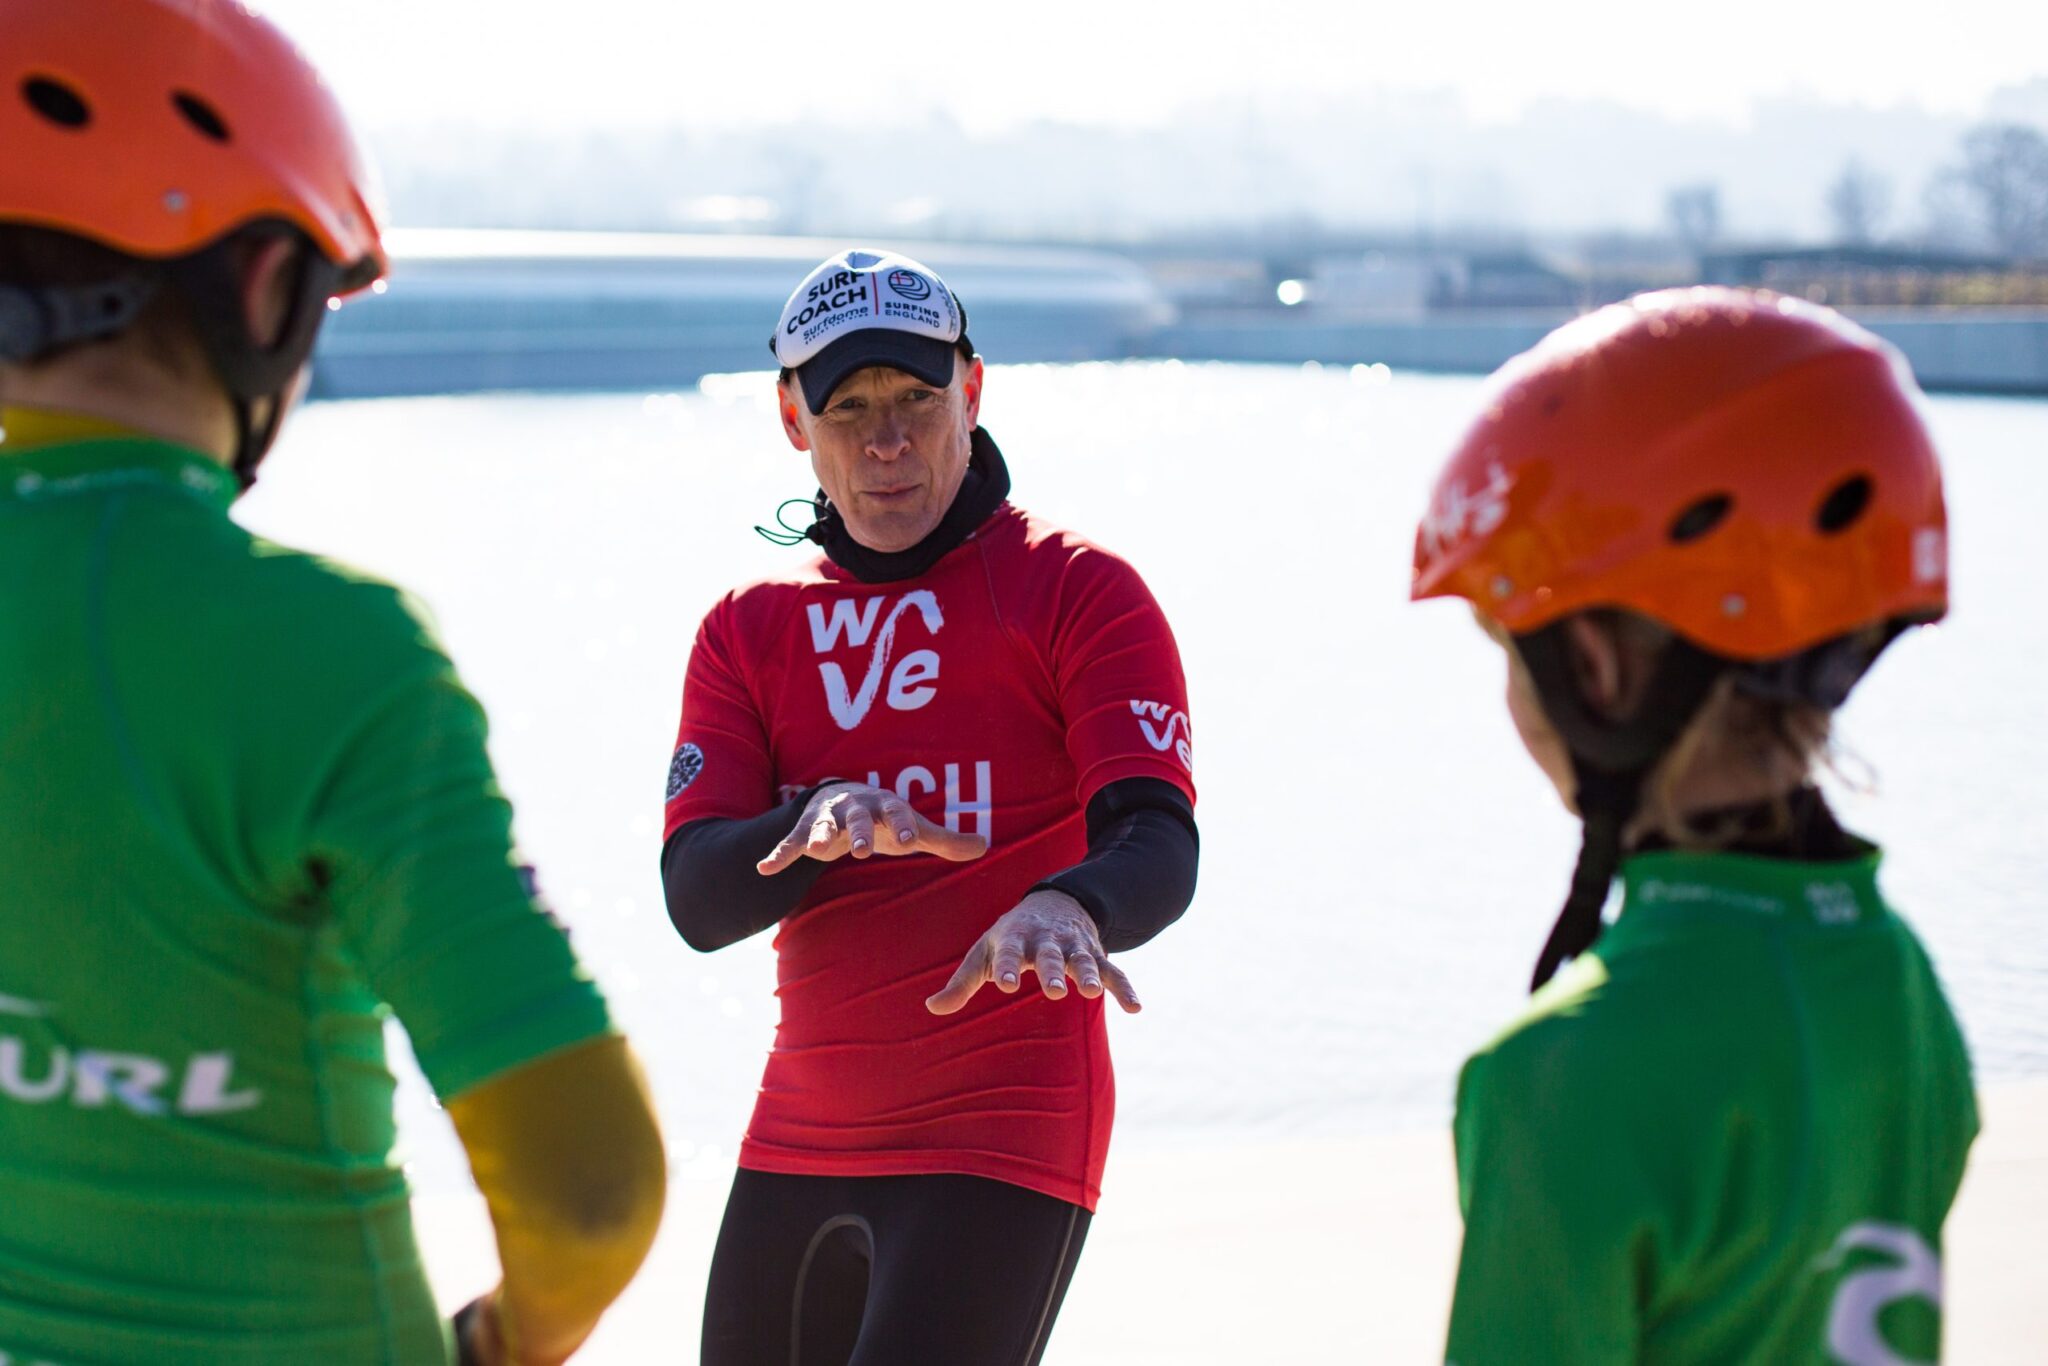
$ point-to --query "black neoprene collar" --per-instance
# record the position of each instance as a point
(982, 491)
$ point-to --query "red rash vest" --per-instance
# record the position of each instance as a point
(997, 692)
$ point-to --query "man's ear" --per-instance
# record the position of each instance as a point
(970, 388)
(787, 396)
(268, 270)
(1597, 665)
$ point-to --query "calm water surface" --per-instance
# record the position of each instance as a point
(1380, 861)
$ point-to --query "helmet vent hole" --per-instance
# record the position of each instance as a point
(202, 116)
(1701, 518)
(1843, 505)
(57, 102)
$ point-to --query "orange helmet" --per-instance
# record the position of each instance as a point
(158, 127)
(169, 131)
(1747, 469)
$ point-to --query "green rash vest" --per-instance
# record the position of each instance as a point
(1730, 1134)
(245, 815)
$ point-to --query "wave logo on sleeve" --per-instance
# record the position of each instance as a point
(1167, 728)
(1910, 1270)
(683, 769)
(911, 683)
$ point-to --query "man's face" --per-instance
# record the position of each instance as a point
(889, 449)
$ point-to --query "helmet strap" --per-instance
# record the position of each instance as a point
(1611, 760)
(37, 322)
(251, 371)
(1606, 802)
(1821, 675)
(255, 436)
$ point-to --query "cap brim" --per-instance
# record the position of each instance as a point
(928, 358)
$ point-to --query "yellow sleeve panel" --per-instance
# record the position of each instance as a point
(569, 1157)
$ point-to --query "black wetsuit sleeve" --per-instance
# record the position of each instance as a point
(714, 895)
(1138, 878)
(1139, 875)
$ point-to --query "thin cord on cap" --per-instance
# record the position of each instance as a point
(794, 535)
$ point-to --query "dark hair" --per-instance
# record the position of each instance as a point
(40, 257)
(1764, 731)
(44, 256)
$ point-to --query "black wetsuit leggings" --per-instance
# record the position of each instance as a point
(887, 1271)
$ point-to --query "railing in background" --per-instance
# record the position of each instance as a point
(490, 310)
(2002, 351)
(473, 311)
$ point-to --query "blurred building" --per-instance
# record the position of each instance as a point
(469, 311)
(1880, 277)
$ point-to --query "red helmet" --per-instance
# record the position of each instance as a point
(158, 127)
(1750, 470)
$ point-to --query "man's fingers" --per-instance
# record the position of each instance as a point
(781, 856)
(860, 830)
(955, 846)
(900, 821)
(1120, 987)
(965, 981)
(1051, 966)
(1009, 963)
(906, 832)
(1086, 974)
(902, 831)
(824, 833)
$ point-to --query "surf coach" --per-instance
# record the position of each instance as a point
(958, 728)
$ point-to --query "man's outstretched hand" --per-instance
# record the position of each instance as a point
(853, 818)
(1047, 933)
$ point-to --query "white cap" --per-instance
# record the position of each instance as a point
(863, 308)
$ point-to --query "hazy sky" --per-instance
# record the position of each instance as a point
(598, 63)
